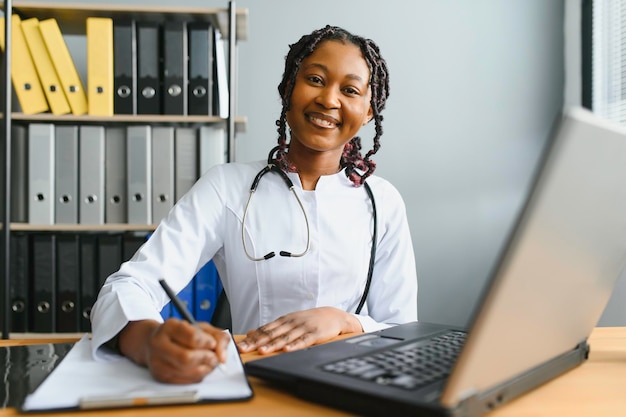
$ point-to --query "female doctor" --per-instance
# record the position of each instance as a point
(308, 244)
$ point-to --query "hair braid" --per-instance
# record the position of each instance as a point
(351, 159)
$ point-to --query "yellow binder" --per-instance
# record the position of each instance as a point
(64, 65)
(100, 66)
(43, 64)
(23, 74)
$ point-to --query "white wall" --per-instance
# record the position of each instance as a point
(475, 86)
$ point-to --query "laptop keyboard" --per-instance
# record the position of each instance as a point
(409, 366)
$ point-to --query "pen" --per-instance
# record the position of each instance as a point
(180, 307)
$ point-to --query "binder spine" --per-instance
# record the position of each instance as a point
(175, 67)
(66, 175)
(20, 282)
(139, 151)
(43, 303)
(45, 68)
(212, 144)
(67, 262)
(88, 283)
(162, 172)
(186, 165)
(41, 173)
(200, 68)
(116, 202)
(100, 66)
(27, 86)
(148, 68)
(64, 65)
(125, 67)
(91, 170)
(109, 256)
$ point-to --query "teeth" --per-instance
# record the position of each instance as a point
(323, 122)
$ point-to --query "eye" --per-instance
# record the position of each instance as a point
(314, 79)
(351, 91)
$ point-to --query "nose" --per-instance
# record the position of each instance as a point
(329, 98)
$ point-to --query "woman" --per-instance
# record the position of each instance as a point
(301, 264)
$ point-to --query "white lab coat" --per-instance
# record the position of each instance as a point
(206, 224)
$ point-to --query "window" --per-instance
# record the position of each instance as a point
(604, 58)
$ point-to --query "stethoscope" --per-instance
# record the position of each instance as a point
(272, 167)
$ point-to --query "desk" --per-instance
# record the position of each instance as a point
(594, 389)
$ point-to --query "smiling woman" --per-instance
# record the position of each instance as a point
(330, 102)
(352, 268)
(340, 86)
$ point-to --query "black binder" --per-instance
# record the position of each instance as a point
(175, 67)
(68, 275)
(109, 255)
(125, 67)
(43, 303)
(19, 266)
(200, 68)
(132, 242)
(88, 279)
(19, 174)
(148, 69)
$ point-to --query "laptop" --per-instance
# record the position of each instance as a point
(548, 288)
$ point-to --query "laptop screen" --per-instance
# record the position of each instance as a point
(562, 259)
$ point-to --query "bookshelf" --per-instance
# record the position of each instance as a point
(232, 23)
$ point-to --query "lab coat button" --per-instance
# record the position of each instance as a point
(310, 296)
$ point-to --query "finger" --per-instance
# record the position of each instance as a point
(163, 370)
(181, 345)
(171, 362)
(262, 335)
(253, 339)
(285, 335)
(181, 333)
(221, 339)
(304, 341)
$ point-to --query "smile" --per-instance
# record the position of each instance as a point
(323, 121)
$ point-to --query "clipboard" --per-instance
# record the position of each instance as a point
(24, 367)
(80, 382)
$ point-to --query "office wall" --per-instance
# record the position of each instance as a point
(475, 86)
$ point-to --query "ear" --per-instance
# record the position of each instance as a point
(369, 116)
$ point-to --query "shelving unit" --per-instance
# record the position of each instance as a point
(71, 18)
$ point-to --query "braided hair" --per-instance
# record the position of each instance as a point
(351, 158)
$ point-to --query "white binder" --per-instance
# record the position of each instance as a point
(186, 160)
(139, 169)
(41, 173)
(115, 194)
(162, 172)
(66, 175)
(221, 96)
(91, 175)
(212, 143)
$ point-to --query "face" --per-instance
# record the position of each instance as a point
(331, 98)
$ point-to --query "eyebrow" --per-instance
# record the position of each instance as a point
(325, 69)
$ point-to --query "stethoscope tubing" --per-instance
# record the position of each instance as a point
(272, 167)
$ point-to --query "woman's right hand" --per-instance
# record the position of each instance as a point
(176, 351)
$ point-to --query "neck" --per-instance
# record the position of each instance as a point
(310, 169)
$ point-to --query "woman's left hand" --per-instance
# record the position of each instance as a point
(299, 330)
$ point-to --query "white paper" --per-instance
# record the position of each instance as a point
(80, 376)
